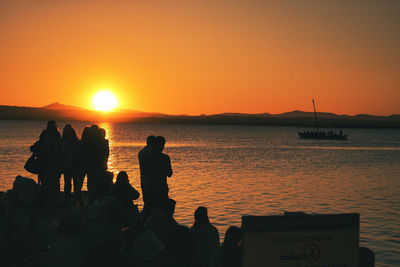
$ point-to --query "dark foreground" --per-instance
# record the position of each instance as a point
(61, 237)
(82, 236)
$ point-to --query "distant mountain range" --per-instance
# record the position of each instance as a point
(60, 112)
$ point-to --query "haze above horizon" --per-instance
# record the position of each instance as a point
(190, 57)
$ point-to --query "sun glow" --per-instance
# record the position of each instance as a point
(104, 101)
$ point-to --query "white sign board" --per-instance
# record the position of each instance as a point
(301, 240)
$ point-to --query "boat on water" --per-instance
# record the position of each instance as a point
(330, 135)
(322, 135)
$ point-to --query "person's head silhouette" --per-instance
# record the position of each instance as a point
(51, 124)
(102, 134)
(160, 143)
(200, 215)
(151, 139)
(69, 132)
(122, 178)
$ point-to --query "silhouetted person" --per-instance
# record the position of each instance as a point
(230, 253)
(159, 168)
(71, 168)
(49, 147)
(123, 191)
(206, 236)
(53, 165)
(96, 152)
(86, 151)
(39, 150)
(144, 165)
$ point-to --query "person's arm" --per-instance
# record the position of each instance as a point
(35, 147)
(141, 164)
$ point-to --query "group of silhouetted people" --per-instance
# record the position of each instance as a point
(152, 238)
(88, 156)
(161, 242)
(75, 158)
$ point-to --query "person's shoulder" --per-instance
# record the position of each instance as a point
(35, 146)
(214, 228)
(141, 151)
(216, 232)
(209, 228)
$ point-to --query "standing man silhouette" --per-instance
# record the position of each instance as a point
(144, 161)
(155, 167)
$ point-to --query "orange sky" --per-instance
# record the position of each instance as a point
(193, 57)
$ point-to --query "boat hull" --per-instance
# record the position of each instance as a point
(322, 136)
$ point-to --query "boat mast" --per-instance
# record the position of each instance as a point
(315, 116)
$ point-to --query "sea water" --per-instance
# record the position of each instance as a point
(253, 170)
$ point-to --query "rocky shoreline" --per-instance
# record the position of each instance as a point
(60, 237)
(81, 236)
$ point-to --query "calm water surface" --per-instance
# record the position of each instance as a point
(254, 170)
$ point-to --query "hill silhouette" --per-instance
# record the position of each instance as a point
(63, 112)
(58, 106)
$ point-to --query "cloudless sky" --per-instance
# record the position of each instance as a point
(194, 57)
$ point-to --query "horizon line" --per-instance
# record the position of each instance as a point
(197, 115)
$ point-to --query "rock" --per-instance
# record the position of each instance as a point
(145, 251)
(105, 209)
(25, 191)
(71, 222)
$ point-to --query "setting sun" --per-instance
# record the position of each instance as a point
(104, 101)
